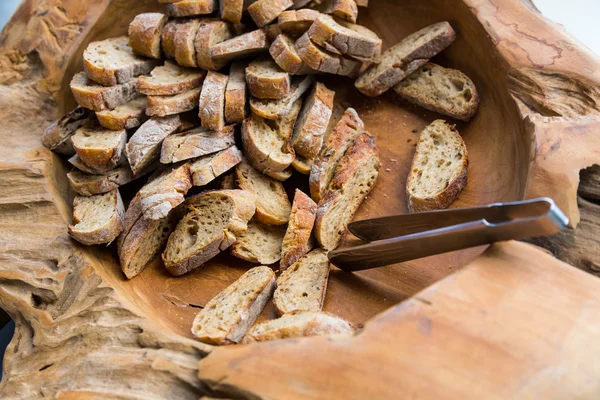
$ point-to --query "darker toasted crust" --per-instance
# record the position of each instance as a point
(57, 137)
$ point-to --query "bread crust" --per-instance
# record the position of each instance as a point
(346, 10)
(275, 109)
(235, 94)
(210, 34)
(145, 32)
(296, 22)
(231, 10)
(98, 98)
(102, 234)
(241, 46)
(126, 116)
(165, 191)
(196, 142)
(205, 171)
(99, 157)
(266, 80)
(161, 106)
(264, 12)
(184, 79)
(188, 8)
(302, 164)
(285, 55)
(324, 61)
(298, 237)
(312, 122)
(185, 49)
(90, 185)
(168, 37)
(212, 101)
(57, 137)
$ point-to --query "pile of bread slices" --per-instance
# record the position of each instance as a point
(164, 104)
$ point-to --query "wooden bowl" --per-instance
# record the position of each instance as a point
(83, 328)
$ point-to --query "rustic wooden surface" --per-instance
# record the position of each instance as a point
(83, 330)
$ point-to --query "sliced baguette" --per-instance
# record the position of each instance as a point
(227, 317)
(83, 167)
(303, 164)
(299, 324)
(90, 185)
(242, 46)
(272, 204)
(260, 243)
(57, 137)
(296, 22)
(298, 237)
(188, 8)
(266, 80)
(443, 90)
(95, 97)
(98, 147)
(214, 222)
(325, 61)
(404, 58)
(279, 175)
(165, 191)
(276, 109)
(354, 178)
(161, 106)
(145, 32)
(302, 286)
(126, 116)
(97, 219)
(232, 10)
(208, 168)
(170, 79)
(210, 34)
(264, 12)
(346, 10)
(112, 61)
(439, 168)
(338, 141)
(212, 101)
(196, 142)
(285, 55)
(185, 50)
(168, 37)
(235, 94)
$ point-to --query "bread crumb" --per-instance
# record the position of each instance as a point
(393, 160)
(387, 170)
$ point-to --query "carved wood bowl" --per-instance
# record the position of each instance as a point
(72, 303)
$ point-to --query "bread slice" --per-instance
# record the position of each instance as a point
(325, 61)
(95, 97)
(90, 185)
(260, 243)
(212, 101)
(168, 37)
(264, 12)
(285, 55)
(144, 146)
(97, 219)
(443, 90)
(83, 167)
(281, 176)
(215, 220)
(354, 178)
(185, 50)
(242, 46)
(227, 317)
(235, 94)
(170, 79)
(126, 116)
(57, 137)
(210, 34)
(298, 238)
(272, 204)
(346, 10)
(98, 147)
(299, 324)
(303, 164)
(295, 22)
(208, 168)
(266, 80)
(145, 32)
(188, 8)
(161, 106)
(272, 32)
(338, 141)
(112, 61)
(362, 3)
(345, 38)
(196, 142)
(228, 182)
(165, 191)
(404, 58)
(276, 109)
(439, 168)
(302, 286)
(300, 4)
(231, 10)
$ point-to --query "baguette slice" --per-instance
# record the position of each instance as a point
(227, 317)
(168, 37)
(302, 286)
(439, 168)
(57, 137)
(83, 167)
(346, 10)
(232, 10)
(95, 97)
(214, 222)
(235, 94)
(126, 116)
(97, 219)
(285, 55)
(170, 79)
(196, 142)
(208, 168)
(264, 12)
(325, 61)
(298, 237)
(98, 147)
(145, 32)
(143, 147)
(272, 204)
(210, 34)
(260, 243)
(112, 61)
(355, 176)
(338, 141)
(281, 176)
(296, 22)
(276, 109)
(303, 164)
(161, 106)
(212, 101)
(165, 191)
(185, 49)
(188, 8)
(443, 90)
(299, 324)
(266, 80)
(404, 58)
(242, 46)
(90, 185)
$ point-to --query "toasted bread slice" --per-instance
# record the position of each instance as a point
(299, 324)
(90, 185)
(272, 204)
(95, 97)
(264, 12)
(210, 34)
(144, 146)
(161, 106)
(97, 219)
(242, 46)
(126, 116)
(235, 94)
(401, 60)
(312, 123)
(296, 22)
(298, 237)
(232, 10)
(168, 37)
(338, 141)
(170, 79)
(188, 8)
(145, 32)
(165, 191)
(346, 10)
(196, 142)
(285, 55)
(212, 101)
(303, 164)
(208, 168)
(260, 243)
(215, 220)
(355, 177)
(228, 316)
(443, 90)
(57, 137)
(98, 147)
(266, 80)
(439, 168)
(112, 61)
(302, 286)
(325, 61)
(276, 109)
